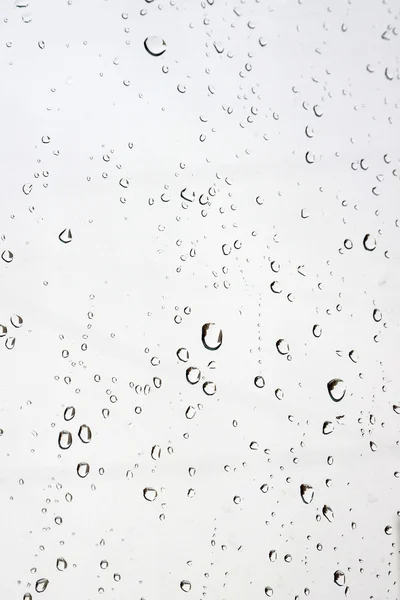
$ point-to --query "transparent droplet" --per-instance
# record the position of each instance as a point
(209, 388)
(396, 409)
(306, 493)
(317, 331)
(336, 389)
(65, 236)
(190, 412)
(328, 513)
(327, 427)
(373, 446)
(150, 494)
(353, 356)
(124, 183)
(3, 330)
(369, 242)
(27, 188)
(104, 564)
(276, 287)
(377, 315)
(269, 591)
(10, 343)
(7, 256)
(27, 596)
(155, 452)
(16, 321)
(273, 555)
(41, 585)
(282, 346)
(183, 354)
(64, 439)
(211, 336)
(264, 488)
(69, 413)
(85, 434)
(155, 45)
(83, 469)
(61, 564)
(185, 585)
(339, 578)
(388, 530)
(193, 375)
(259, 381)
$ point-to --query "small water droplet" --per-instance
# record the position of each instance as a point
(317, 331)
(61, 564)
(10, 343)
(155, 45)
(211, 336)
(369, 242)
(273, 555)
(190, 412)
(264, 488)
(259, 381)
(193, 375)
(64, 439)
(155, 452)
(336, 389)
(185, 585)
(65, 236)
(27, 188)
(69, 413)
(41, 585)
(150, 494)
(16, 321)
(83, 469)
(85, 434)
(306, 493)
(327, 427)
(209, 388)
(7, 256)
(377, 315)
(328, 513)
(388, 530)
(282, 346)
(183, 354)
(269, 591)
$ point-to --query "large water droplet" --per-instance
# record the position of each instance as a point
(339, 578)
(211, 336)
(183, 354)
(193, 375)
(61, 564)
(83, 469)
(306, 493)
(259, 381)
(150, 494)
(369, 242)
(336, 389)
(64, 439)
(65, 236)
(283, 347)
(185, 585)
(328, 513)
(16, 321)
(85, 434)
(41, 585)
(209, 388)
(155, 45)
(7, 256)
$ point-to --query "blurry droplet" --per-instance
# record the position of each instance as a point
(272, 555)
(306, 493)
(27, 188)
(185, 585)
(150, 494)
(336, 389)
(377, 315)
(155, 45)
(211, 336)
(388, 530)
(183, 354)
(317, 331)
(328, 513)
(193, 375)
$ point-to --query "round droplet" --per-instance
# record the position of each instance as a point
(85, 434)
(65, 236)
(150, 494)
(64, 439)
(155, 45)
(283, 347)
(69, 413)
(124, 183)
(211, 336)
(369, 242)
(264, 488)
(339, 578)
(377, 315)
(306, 493)
(41, 585)
(209, 388)
(259, 381)
(185, 585)
(7, 256)
(353, 356)
(83, 469)
(276, 287)
(183, 354)
(317, 331)
(27, 188)
(17, 321)
(61, 564)
(388, 530)
(27, 596)
(190, 412)
(269, 591)
(273, 555)
(193, 375)
(336, 389)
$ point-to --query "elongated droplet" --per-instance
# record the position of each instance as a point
(83, 469)
(306, 493)
(41, 585)
(69, 413)
(150, 494)
(336, 389)
(64, 439)
(85, 434)
(155, 45)
(16, 321)
(10, 343)
(65, 236)
(155, 452)
(272, 555)
(190, 412)
(317, 331)
(211, 336)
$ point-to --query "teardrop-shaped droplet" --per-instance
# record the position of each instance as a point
(339, 578)
(64, 439)
(7, 256)
(155, 45)
(16, 321)
(150, 494)
(183, 354)
(327, 427)
(373, 446)
(328, 513)
(61, 564)
(69, 413)
(259, 381)
(41, 585)
(306, 493)
(211, 336)
(283, 347)
(27, 596)
(83, 469)
(209, 388)
(65, 236)
(336, 389)
(155, 452)
(10, 343)
(85, 434)
(369, 242)
(185, 585)
(193, 375)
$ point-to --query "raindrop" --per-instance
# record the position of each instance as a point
(259, 381)
(211, 336)
(183, 354)
(27, 188)
(10, 343)
(328, 513)
(193, 375)
(85, 434)
(317, 331)
(377, 315)
(3, 330)
(7, 256)
(306, 493)
(353, 356)
(185, 585)
(275, 287)
(65, 236)
(83, 469)
(269, 591)
(124, 183)
(388, 530)
(41, 585)
(369, 242)
(61, 564)
(150, 494)
(264, 488)
(69, 413)
(209, 388)
(327, 427)
(155, 45)
(282, 346)
(155, 452)
(273, 555)
(339, 578)
(64, 439)
(336, 389)
(17, 321)
(190, 412)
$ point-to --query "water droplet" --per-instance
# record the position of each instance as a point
(27, 596)
(104, 564)
(388, 530)
(61, 564)
(339, 578)
(27, 188)
(282, 346)
(317, 331)
(369, 242)
(83, 469)
(219, 47)
(155, 452)
(124, 183)
(3, 330)
(327, 427)
(17, 321)
(237, 499)
(328, 513)
(264, 488)
(185, 585)
(190, 412)
(306, 493)
(193, 375)
(10, 343)
(377, 315)
(155, 45)
(7, 256)
(64, 439)
(209, 388)
(259, 381)
(211, 336)
(273, 555)
(396, 409)
(353, 356)
(69, 413)
(269, 591)
(373, 446)
(150, 494)
(65, 236)
(276, 287)
(183, 354)
(336, 389)
(41, 585)
(85, 434)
